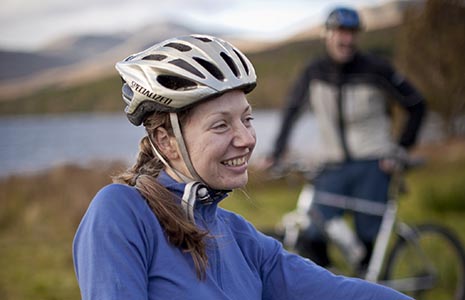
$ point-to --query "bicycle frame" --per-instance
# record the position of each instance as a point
(299, 218)
(386, 256)
(295, 220)
(381, 243)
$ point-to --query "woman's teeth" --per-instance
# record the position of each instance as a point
(235, 162)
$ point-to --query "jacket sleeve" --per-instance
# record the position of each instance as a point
(291, 277)
(409, 98)
(297, 98)
(111, 247)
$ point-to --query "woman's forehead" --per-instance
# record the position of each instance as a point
(229, 102)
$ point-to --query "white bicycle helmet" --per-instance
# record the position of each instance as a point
(179, 72)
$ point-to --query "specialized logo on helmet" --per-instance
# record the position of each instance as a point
(140, 89)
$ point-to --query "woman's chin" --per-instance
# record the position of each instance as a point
(231, 183)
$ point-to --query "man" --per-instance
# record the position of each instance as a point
(349, 93)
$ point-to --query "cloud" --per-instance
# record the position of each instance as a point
(31, 24)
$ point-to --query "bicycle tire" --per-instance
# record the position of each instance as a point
(444, 253)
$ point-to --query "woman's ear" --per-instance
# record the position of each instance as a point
(166, 143)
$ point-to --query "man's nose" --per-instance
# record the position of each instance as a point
(348, 36)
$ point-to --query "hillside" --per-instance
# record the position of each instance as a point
(32, 62)
(276, 67)
(78, 60)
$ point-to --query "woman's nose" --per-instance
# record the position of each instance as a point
(244, 136)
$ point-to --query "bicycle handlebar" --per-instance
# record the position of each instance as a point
(414, 162)
(281, 170)
(310, 171)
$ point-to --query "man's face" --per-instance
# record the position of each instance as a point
(341, 44)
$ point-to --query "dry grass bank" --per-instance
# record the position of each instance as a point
(39, 214)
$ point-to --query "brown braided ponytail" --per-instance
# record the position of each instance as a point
(179, 230)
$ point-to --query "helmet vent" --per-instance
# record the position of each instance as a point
(203, 39)
(179, 47)
(127, 93)
(176, 83)
(158, 57)
(230, 63)
(186, 66)
(242, 61)
(211, 68)
(129, 58)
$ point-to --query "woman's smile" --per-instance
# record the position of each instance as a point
(235, 162)
(220, 139)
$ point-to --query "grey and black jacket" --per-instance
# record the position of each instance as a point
(351, 103)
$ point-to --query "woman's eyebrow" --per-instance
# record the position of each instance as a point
(248, 108)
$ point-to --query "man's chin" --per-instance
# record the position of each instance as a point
(345, 57)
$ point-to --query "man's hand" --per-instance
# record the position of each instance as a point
(390, 165)
(395, 163)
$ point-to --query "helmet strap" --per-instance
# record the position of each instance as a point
(182, 147)
(180, 176)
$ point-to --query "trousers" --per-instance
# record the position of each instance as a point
(361, 179)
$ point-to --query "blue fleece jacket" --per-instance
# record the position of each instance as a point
(121, 252)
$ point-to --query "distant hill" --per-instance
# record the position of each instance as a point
(75, 59)
(77, 73)
(60, 53)
(83, 46)
(21, 64)
(276, 68)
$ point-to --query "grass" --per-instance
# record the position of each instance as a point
(39, 214)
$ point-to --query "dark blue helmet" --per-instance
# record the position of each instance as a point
(343, 17)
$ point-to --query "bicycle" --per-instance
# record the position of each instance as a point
(425, 261)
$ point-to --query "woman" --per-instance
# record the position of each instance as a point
(158, 232)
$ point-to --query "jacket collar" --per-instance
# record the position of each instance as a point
(207, 211)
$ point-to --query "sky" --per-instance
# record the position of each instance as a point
(31, 24)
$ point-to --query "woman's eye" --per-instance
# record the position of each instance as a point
(248, 120)
(220, 126)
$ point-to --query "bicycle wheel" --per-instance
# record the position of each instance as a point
(428, 263)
